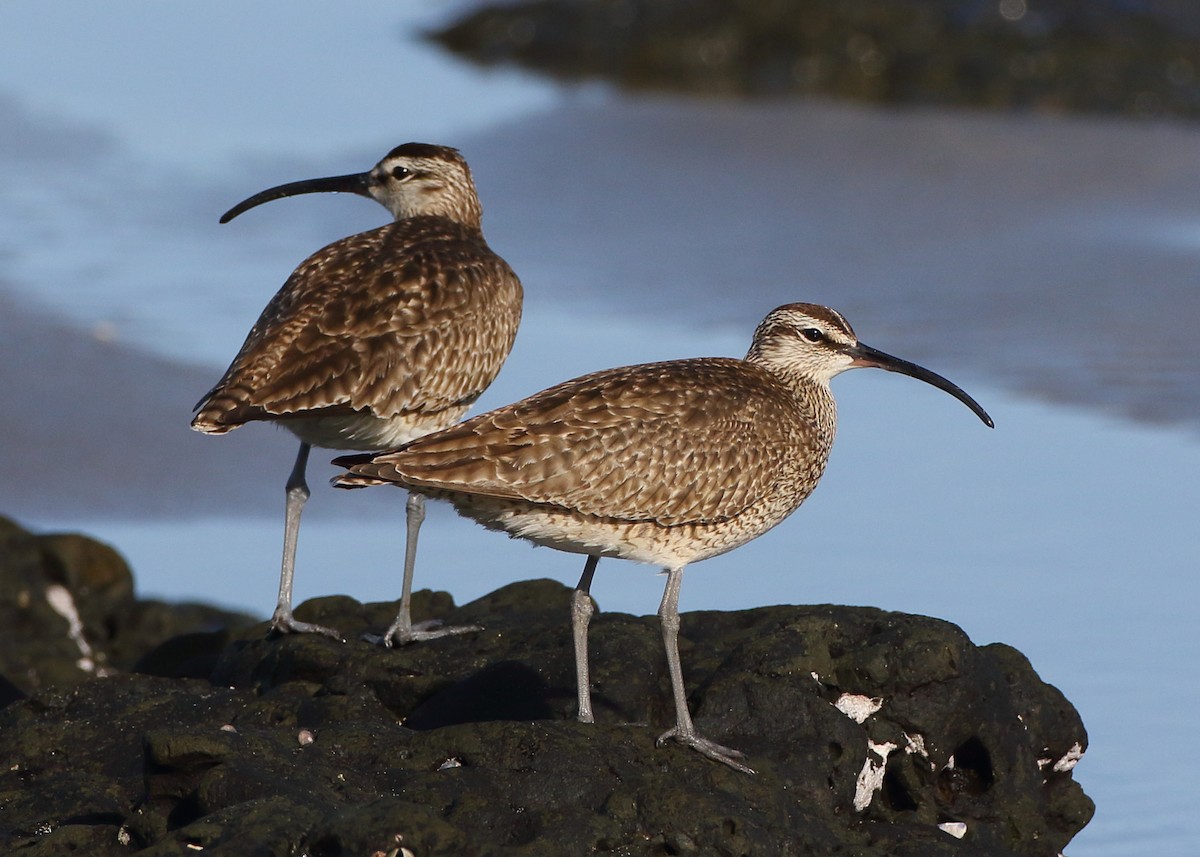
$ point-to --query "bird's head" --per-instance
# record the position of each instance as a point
(411, 180)
(813, 343)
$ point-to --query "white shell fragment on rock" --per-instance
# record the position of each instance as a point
(870, 778)
(63, 603)
(858, 707)
(957, 829)
(1070, 760)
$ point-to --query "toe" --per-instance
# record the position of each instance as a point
(286, 623)
(711, 749)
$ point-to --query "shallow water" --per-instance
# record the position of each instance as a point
(1050, 266)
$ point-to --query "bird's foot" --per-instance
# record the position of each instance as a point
(283, 622)
(401, 634)
(725, 755)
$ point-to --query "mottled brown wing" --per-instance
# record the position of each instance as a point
(675, 442)
(417, 315)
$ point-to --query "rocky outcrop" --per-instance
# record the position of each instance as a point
(872, 732)
(1096, 55)
(68, 612)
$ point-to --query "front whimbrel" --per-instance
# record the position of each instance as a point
(664, 463)
(376, 339)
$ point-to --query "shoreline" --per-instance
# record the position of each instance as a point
(93, 425)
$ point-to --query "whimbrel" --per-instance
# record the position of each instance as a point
(663, 463)
(376, 339)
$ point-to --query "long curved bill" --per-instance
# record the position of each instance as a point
(865, 355)
(356, 183)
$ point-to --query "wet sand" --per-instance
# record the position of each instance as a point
(100, 428)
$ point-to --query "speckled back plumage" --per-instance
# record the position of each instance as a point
(416, 316)
(655, 442)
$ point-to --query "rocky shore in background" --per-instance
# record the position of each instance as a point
(1105, 56)
(136, 726)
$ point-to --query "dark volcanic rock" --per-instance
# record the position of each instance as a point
(68, 612)
(1094, 55)
(467, 745)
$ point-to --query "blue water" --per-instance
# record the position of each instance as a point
(656, 228)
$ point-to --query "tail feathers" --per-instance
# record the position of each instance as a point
(214, 419)
(213, 412)
(363, 472)
(349, 461)
(224, 408)
(213, 428)
(355, 480)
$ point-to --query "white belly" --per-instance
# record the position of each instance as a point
(666, 547)
(366, 432)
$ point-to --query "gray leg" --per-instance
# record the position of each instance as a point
(684, 732)
(297, 494)
(582, 608)
(402, 630)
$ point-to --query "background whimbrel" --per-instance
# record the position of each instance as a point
(376, 339)
(664, 463)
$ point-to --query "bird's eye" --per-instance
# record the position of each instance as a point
(399, 173)
(812, 334)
